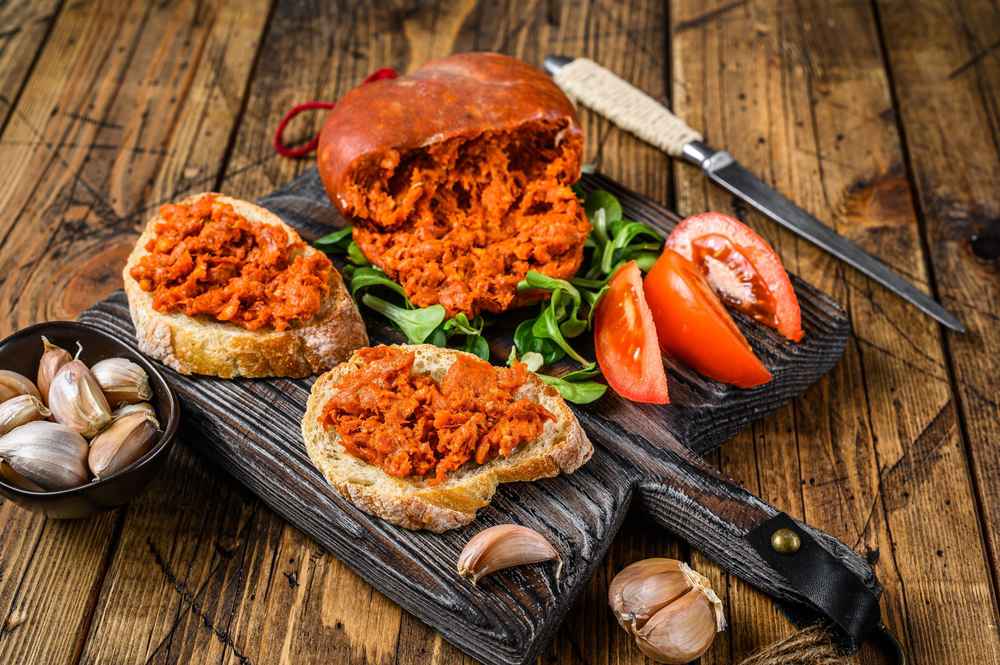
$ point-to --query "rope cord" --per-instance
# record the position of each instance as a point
(810, 646)
(628, 107)
(279, 145)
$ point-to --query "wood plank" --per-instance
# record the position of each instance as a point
(24, 25)
(945, 71)
(123, 101)
(779, 86)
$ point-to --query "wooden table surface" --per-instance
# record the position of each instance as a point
(881, 117)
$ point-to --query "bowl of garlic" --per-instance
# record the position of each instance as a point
(86, 421)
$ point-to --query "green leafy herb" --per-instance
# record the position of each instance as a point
(526, 342)
(335, 242)
(416, 324)
(367, 276)
(578, 392)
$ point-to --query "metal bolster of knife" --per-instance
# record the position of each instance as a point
(834, 592)
(705, 158)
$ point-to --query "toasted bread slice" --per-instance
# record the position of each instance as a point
(204, 345)
(410, 502)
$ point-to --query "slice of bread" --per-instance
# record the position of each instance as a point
(204, 345)
(410, 502)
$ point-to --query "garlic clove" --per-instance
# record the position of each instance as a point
(53, 358)
(681, 631)
(20, 410)
(670, 609)
(76, 400)
(503, 546)
(122, 380)
(12, 477)
(121, 443)
(48, 454)
(140, 407)
(643, 588)
(13, 384)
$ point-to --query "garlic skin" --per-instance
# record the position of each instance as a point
(48, 454)
(11, 477)
(13, 384)
(503, 546)
(122, 381)
(124, 441)
(671, 610)
(53, 358)
(20, 410)
(140, 407)
(76, 400)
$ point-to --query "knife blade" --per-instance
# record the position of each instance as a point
(630, 108)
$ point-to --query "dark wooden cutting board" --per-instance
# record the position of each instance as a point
(643, 452)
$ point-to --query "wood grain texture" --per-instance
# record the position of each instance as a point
(954, 73)
(891, 451)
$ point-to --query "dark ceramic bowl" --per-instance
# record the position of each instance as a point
(21, 352)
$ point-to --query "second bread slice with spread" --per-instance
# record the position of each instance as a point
(418, 502)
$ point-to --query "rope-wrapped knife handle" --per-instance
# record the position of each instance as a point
(595, 87)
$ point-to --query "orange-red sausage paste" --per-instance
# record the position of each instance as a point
(205, 258)
(409, 424)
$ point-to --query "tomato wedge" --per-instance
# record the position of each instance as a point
(742, 268)
(693, 326)
(625, 340)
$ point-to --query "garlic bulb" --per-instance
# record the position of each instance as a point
(20, 410)
(76, 400)
(122, 380)
(52, 361)
(503, 546)
(122, 442)
(13, 384)
(671, 610)
(48, 454)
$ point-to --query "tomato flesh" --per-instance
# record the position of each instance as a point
(741, 268)
(625, 340)
(694, 327)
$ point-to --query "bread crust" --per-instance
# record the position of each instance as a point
(203, 345)
(410, 502)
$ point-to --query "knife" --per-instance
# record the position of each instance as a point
(631, 109)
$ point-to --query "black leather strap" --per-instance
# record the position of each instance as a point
(835, 592)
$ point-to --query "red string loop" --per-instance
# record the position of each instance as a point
(279, 145)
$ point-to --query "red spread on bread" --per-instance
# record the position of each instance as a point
(204, 258)
(409, 424)
(456, 179)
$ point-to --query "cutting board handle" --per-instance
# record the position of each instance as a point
(821, 578)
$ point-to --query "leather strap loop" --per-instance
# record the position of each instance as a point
(835, 592)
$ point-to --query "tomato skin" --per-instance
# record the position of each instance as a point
(625, 340)
(694, 327)
(736, 260)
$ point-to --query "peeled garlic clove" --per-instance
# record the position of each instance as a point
(140, 407)
(122, 442)
(13, 384)
(20, 410)
(12, 477)
(122, 380)
(48, 454)
(671, 610)
(680, 632)
(76, 400)
(503, 546)
(53, 358)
